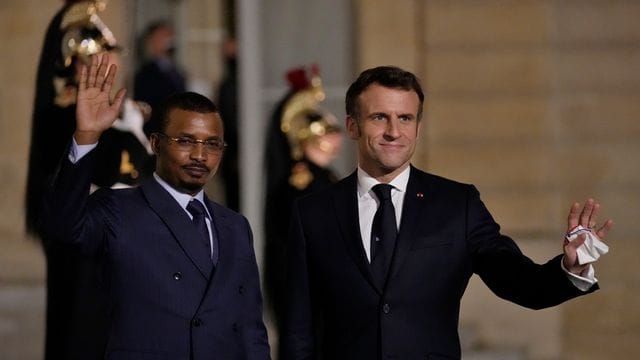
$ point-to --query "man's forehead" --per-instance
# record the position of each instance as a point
(177, 114)
(379, 97)
(179, 118)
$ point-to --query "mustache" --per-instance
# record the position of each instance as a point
(198, 166)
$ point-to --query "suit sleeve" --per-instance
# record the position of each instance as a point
(506, 270)
(255, 338)
(298, 337)
(69, 214)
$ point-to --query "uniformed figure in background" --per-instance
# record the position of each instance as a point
(75, 315)
(304, 139)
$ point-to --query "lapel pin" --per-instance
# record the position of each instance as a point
(419, 195)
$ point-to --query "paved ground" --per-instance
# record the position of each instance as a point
(22, 298)
(21, 322)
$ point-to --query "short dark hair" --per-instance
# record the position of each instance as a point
(387, 76)
(156, 25)
(189, 101)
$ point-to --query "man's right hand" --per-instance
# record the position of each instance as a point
(95, 112)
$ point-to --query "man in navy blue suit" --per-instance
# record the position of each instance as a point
(378, 262)
(182, 284)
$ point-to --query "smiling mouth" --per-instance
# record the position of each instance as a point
(392, 146)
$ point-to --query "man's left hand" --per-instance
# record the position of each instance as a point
(586, 218)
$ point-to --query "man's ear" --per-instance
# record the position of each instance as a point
(155, 143)
(353, 128)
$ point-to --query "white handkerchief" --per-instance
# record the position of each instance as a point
(592, 247)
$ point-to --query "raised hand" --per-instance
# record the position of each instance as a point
(95, 111)
(587, 217)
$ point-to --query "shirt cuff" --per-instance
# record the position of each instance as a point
(77, 152)
(585, 282)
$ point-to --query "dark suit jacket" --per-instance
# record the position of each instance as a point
(446, 235)
(165, 300)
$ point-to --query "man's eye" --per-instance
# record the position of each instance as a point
(378, 117)
(215, 144)
(184, 141)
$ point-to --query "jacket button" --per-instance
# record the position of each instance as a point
(177, 276)
(196, 322)
(386, 308)
(241, 289)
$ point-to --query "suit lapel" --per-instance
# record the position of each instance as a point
(178, 223)
(345, 201)
(414, 214)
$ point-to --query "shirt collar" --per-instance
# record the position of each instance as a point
(182, 198)
(366, 181)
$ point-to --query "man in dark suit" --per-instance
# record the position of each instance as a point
(180, 269)
(379, 261)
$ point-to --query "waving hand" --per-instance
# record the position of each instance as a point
(587, 218)
(95, 110)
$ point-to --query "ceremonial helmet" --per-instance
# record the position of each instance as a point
(85, 34)
(303, 119)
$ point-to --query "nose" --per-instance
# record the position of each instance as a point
(392, 131)
(198, 152)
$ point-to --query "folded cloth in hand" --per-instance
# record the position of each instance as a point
(592, 247)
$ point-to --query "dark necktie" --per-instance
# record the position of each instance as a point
(383, 233)
(199, 213)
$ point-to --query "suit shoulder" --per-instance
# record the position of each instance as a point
(122, 193)
(326, 192)
(440, 182)
(222, 211)
(119, 198)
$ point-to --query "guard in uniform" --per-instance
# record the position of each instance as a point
(304, 139)
(76, 308)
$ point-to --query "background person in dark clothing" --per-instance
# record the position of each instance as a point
(228, 104)
(159, 76)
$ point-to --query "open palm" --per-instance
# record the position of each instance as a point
(95, 111)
